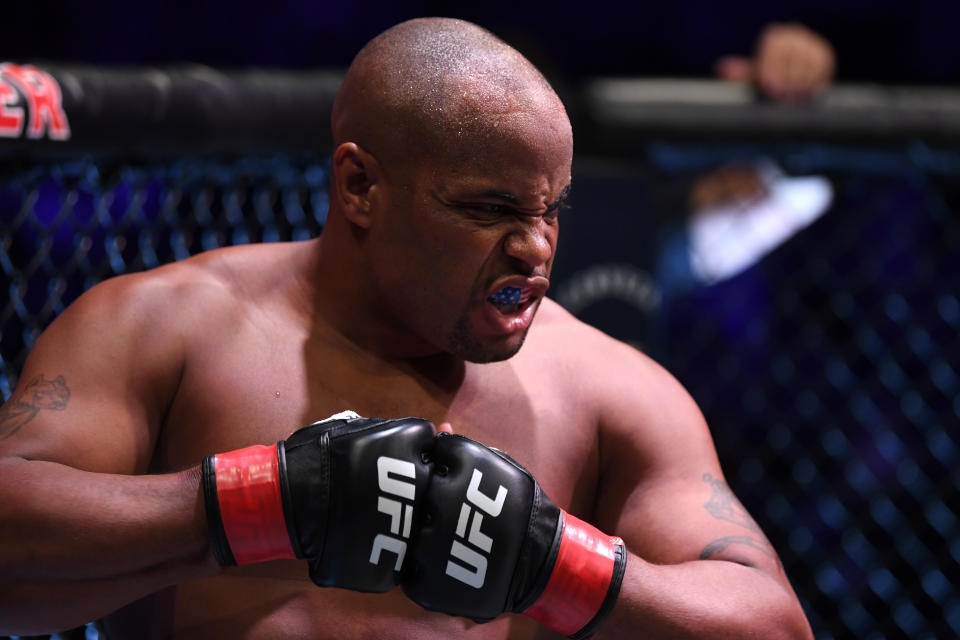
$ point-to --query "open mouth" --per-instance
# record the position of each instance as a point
(510, 299)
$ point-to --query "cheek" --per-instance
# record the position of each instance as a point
(434, 270)
(455, 267)
(434, 258)
(454, 251)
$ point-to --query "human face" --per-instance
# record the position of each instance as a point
(464, 225)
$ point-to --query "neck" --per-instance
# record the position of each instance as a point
(346, 307)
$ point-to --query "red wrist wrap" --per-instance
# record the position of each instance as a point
(580, 579)
(248, 490)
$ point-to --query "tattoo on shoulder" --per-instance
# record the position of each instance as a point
(39, 394)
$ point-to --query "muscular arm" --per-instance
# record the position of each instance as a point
(78, 545)
(699, 566)
(83, 530)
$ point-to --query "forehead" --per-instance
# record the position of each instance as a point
(506, 142)
(520, 170)
(481, 107)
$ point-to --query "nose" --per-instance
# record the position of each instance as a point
(532, 242)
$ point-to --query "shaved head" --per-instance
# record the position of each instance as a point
(452, 156)
(430, 85)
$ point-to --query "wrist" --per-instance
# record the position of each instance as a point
(244, 506)
(584, 582)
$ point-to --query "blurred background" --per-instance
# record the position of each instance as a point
(881, 40)
(781, 229)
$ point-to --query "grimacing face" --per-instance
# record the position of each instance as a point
(476, 222)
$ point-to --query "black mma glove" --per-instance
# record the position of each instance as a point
(492, 541)
(341, 493)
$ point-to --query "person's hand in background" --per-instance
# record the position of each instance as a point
(790, 63)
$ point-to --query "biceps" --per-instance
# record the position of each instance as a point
(694, 518)
(741, 542)
(97, 384)
(56, 414)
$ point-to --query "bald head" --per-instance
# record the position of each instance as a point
(423, 85)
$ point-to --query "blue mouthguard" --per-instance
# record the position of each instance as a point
(507, 295)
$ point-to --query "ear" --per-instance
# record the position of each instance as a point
(355, 176)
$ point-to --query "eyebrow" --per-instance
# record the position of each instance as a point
(516, 201)
(563, 196)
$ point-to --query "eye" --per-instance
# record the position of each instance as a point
(553, 213)
(488, 212)
(491, 209)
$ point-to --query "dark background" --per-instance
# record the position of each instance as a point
(880, 40)
(829, 371)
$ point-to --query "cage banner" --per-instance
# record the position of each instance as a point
(45, 108)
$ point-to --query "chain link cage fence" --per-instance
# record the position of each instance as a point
(828, 372)
(69, 224)
(826, 361)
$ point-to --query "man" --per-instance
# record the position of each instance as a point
(452, 159)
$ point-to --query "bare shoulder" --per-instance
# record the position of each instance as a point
(561, 335)
(107, 369)
(643, 412)
(190, 290)
(658, 465)
(660, 486)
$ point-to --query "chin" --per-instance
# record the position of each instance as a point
(467, 346)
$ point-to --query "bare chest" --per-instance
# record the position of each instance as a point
(230, 397)
(247, 387)
(261, 602)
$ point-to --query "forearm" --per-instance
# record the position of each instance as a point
(28, 608)
(67, 529)
(703, 599)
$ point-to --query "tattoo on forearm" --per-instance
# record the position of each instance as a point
(39, 394)
(723, 505)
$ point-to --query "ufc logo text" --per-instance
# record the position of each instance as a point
(390, 474)
(473, 569)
